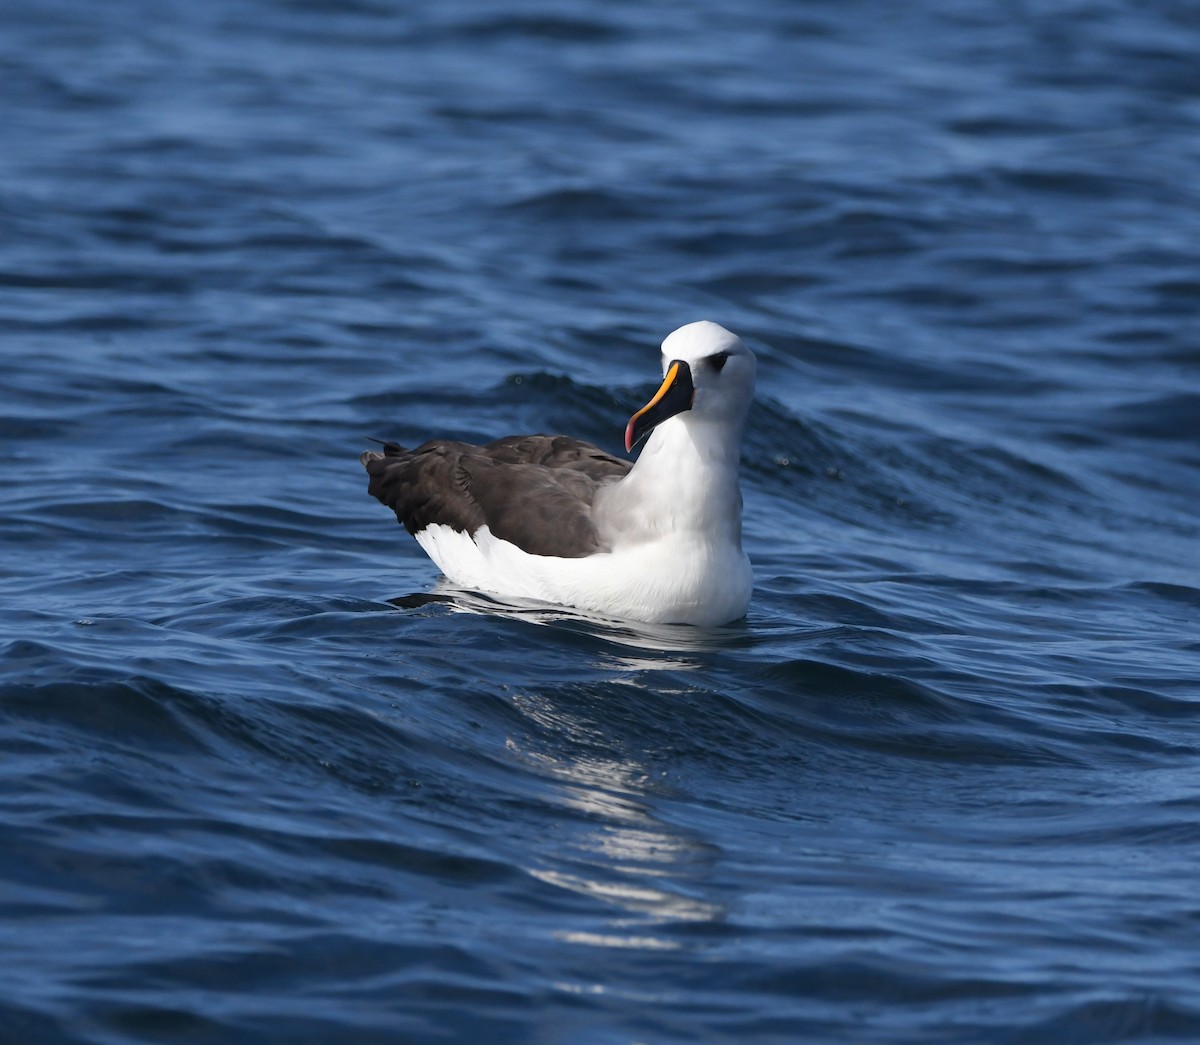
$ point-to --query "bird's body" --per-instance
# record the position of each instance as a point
(558, 520)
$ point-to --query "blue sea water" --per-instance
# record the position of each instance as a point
(263, 778)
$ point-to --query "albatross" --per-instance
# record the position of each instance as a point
(558, 520)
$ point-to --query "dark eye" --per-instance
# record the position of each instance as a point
(717, 361)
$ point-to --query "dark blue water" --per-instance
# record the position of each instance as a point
(262, 780)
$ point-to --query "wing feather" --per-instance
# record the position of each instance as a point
(534, 491)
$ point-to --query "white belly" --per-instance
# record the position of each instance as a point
(675, 581)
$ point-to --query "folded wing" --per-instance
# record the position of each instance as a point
(534, 491)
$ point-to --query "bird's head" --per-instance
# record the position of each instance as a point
(708, 371)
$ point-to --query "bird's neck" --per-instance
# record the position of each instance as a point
(686, 479)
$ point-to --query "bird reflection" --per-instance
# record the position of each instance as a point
(621, 852)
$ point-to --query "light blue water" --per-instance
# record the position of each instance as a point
(257, 784)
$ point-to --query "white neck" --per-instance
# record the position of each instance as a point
(686, 480)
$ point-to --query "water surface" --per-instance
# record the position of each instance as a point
(263, 779)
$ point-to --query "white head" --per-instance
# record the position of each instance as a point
(708, 371)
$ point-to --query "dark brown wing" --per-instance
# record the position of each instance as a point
(534, 491)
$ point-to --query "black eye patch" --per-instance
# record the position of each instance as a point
(717, 360)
